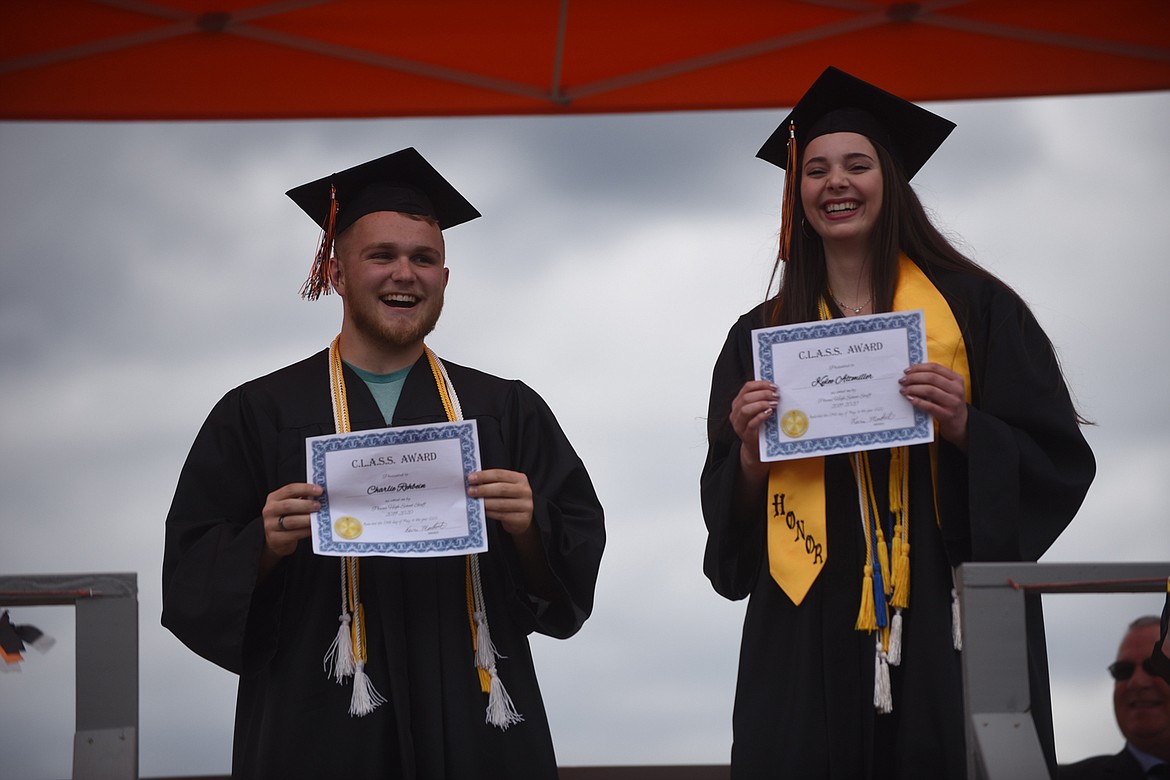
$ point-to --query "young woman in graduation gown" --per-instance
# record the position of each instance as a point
(833, 685)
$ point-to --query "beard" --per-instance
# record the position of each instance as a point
(397, 335)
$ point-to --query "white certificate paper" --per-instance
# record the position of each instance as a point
(838, 383)
(397, 491)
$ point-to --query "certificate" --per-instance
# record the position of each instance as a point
(397, 491)
(838, 383)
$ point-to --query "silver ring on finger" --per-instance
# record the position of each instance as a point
(280, 523)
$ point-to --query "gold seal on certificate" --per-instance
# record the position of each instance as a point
(794, 423)
(348, 527)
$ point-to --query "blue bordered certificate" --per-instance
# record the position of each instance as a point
(397, 491)
(838, 384)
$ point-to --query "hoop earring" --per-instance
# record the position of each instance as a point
(805, 230)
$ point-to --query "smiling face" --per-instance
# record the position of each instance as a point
(1142, 703)
(841, 189)
(388, 269)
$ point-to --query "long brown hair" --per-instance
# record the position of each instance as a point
(902, 226)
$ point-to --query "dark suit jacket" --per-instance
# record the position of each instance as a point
(1122, 766)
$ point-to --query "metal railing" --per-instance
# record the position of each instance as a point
(1002, 741)
(105, 739)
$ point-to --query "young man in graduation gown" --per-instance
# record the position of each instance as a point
(410, 687)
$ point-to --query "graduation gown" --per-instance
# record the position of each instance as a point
(804, 698)
(291, 718)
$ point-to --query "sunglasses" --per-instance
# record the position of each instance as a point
(1123, 670)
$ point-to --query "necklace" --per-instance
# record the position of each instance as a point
(850, 308)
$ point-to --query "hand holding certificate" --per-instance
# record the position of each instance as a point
(397, 491)
(838, 383)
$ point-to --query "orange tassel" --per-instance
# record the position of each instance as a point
(788, 207)
(318, 282)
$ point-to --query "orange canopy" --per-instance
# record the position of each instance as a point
(282, 59)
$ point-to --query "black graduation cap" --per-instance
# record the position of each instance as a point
(840, 103)
(403, 181)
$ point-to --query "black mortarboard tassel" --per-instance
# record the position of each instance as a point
(403, 181)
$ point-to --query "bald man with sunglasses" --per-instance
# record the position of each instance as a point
(1141, 704)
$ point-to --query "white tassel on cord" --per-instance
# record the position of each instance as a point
(501, 712)
(365, 698)
(894, 651)
(485, 650)
(956, 623)
(883, 697)
(339, 662)
(341, 658)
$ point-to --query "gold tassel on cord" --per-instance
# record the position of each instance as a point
(899, 487)
(866, 615)
(866, 618)
(900, 550)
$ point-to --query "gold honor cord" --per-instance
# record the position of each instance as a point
(945, 346)
(501, 712)
(347, 655)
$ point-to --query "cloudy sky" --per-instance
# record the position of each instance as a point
(148, 268)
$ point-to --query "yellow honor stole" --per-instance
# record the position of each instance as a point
(346, 656)
(797, 545)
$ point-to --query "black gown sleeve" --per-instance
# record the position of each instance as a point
(736, 539)
(214, 535)
(1028, 466)
(565, 509)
